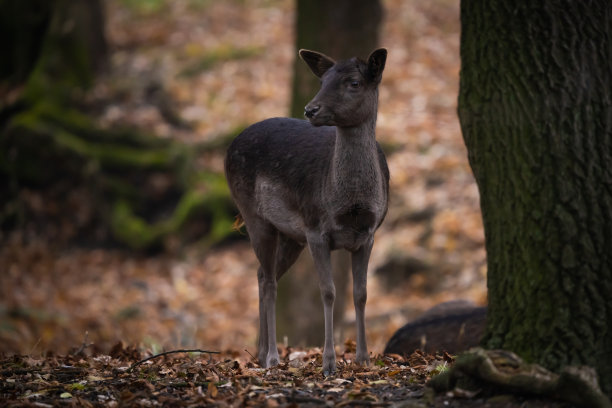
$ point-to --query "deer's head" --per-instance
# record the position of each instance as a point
(349, 89)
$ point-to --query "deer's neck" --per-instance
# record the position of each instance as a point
(355, 170)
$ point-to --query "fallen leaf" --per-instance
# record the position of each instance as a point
(212, 390)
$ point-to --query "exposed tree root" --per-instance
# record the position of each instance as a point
(501, 370)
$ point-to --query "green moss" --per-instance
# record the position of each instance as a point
(81, 148)
(109, 150)
(213, 200)
(49, 142)
(76, 386)
(144, 6)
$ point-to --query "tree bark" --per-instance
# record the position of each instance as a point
(536, 115)
(341, 29)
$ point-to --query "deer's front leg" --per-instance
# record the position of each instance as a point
(359, 262)
(320, 251)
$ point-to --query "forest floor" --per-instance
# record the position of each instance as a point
(124, 378)
(74, 318)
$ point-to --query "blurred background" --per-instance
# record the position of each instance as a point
(115, 218)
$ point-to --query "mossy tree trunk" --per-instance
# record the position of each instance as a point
(140, 189)
(341, 29)
(535, 107)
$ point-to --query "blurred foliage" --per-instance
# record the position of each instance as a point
(143, 189)
(221, 54)
(156, 7)
(144, 6)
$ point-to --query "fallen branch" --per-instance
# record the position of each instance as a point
(165, 353)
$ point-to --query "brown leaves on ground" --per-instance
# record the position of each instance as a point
(227, 379)
(233, 379)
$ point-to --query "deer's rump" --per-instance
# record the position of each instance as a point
(272, 163)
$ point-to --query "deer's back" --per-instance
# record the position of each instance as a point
(282, 149)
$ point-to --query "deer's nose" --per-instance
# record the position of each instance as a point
(310, 111)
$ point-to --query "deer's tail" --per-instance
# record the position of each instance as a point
(238, 223)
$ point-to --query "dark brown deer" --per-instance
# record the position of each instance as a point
(323, 184)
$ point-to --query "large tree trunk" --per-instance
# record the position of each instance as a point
(340, 29)
(535, 106)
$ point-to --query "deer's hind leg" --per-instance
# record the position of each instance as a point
(276, 253)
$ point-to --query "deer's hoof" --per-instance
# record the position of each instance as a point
(327, 373)
(329, 365)
(363, 359)
(272, 361)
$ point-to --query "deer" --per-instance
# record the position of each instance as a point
(321, 183)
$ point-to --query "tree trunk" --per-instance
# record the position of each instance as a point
(50, 144)
(22, 28)
(341, 29)
(536, 114)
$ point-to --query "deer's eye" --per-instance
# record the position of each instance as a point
(355, 84)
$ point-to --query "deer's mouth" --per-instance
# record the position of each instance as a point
(322, 119)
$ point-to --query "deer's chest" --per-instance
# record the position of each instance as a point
(354, 225)
(358, 218)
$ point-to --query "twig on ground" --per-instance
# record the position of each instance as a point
(84, 345)
(35, 345)
(252, 356)
(165, 353)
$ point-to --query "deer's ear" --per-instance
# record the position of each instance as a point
(376, 64)
(317, 62)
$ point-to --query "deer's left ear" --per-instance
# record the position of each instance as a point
(376, 64)
(317, 62)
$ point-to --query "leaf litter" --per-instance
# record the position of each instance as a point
(229, 379)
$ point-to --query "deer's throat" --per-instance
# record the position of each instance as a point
(356, 177)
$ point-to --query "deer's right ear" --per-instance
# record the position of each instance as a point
(317, 62)
(376, 64)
